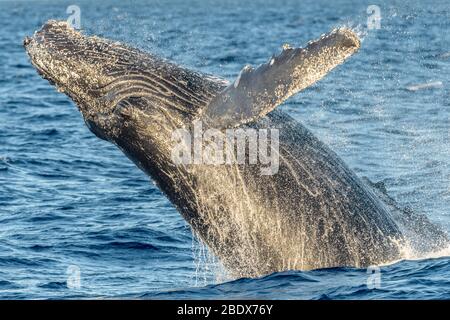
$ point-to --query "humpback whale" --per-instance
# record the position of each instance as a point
(314, 212)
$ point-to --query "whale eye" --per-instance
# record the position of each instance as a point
(123, 108)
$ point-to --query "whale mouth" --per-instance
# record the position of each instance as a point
(41, 70)
(51, 52)
(30, 48)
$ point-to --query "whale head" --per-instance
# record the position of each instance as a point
(117, 88)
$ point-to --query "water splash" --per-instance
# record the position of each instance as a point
(408, 253)
(359, 29)
(208, 269)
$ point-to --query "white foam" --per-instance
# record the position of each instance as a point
(208, 269)
(427, 85)
(408, 253)
(411, 255)
(445, 55)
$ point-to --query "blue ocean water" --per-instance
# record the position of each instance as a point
(78, 220)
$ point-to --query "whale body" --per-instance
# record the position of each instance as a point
(313, 212)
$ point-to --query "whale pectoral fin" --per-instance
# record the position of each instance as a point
(258, 91)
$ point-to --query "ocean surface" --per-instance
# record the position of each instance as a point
(79, 220)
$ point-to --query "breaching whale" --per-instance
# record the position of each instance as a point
(314, 212)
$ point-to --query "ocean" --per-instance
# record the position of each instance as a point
(79, 220)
